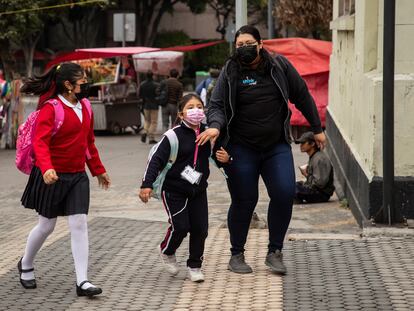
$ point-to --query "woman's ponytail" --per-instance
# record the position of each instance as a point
(39, 85)
(52, 82)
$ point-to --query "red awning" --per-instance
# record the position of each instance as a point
(37, 55)
(194, 47)
(307, 55)
(99, 53)
(311, 60)
(122, 51)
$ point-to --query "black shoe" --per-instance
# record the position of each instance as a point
(237, 264)
(274, 260)
(152, 142)
(28, 284)
(89, 292)
(143, 137)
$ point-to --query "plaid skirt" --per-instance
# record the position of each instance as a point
(68, 196)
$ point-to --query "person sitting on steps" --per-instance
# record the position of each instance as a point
(318, 186)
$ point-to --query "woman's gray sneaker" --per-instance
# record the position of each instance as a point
(237, 264)
(274, 261)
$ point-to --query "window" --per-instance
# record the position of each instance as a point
(346, 7)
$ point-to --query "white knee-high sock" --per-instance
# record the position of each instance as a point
(80, 246)
(35, 241)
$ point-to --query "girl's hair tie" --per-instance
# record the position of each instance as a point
(58, 67)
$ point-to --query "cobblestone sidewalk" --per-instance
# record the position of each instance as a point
(363, 274)
(330, 267)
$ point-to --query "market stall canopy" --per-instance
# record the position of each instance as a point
(160, 63)
(99, 53)
(79, 54)
(307, 55)
(311, 59)
(194, 47)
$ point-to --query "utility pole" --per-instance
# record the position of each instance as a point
(270, 20)
(241, 13)
(388, 203)
(123, 30)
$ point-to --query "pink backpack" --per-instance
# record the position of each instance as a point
(24, 145)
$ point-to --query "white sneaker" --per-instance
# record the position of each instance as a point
(195, 274)
(169, 262)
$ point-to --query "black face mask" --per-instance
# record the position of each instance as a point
(84, 91)
(247, 54)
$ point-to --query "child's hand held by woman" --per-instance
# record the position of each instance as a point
(222, 155)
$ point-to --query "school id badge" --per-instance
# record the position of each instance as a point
(191, 175)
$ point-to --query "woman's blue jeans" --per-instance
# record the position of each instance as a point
(278, 173)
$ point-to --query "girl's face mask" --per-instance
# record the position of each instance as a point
(84, 91)
(194, 116)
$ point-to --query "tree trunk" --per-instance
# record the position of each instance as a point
(6, 59)
(8, 67)
(28, 47)
(146, 26)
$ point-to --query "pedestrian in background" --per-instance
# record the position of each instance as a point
(173, 92)
(205, 87)
(58, 184)
(184, 192)
(148, 93)
(249, 114)
(319, 184)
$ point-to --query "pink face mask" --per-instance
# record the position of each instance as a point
(194, 116)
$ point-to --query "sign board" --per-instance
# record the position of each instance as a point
(101, 71)
(124, 27)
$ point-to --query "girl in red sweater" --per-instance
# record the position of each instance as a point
(58, 184)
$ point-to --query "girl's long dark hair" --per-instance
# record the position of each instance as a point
(51, 83)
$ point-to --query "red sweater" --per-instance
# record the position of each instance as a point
(65, 152)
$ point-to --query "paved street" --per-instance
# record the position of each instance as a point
(330, 266)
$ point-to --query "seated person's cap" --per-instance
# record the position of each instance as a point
(306, 137)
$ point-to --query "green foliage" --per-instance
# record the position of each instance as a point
(22, 30)
(213, 56)
(172, 38)
(166, 39)
(344, 203)
(16, 27)
(196, 6)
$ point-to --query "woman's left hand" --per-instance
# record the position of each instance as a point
(320, 140)
(210, 134)
(104, 181)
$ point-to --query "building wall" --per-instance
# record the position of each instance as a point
(199, 26)
(355, 94)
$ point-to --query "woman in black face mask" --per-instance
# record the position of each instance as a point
(63, 142)
(249, 116)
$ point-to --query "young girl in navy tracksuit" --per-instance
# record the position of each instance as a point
(184, 197)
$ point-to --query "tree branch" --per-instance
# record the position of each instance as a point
(156, 22)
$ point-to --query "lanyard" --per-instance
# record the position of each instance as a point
(196, 149)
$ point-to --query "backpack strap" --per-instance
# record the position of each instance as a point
(59, 114)
(173, 139)
(157, 185)
(87, 104)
